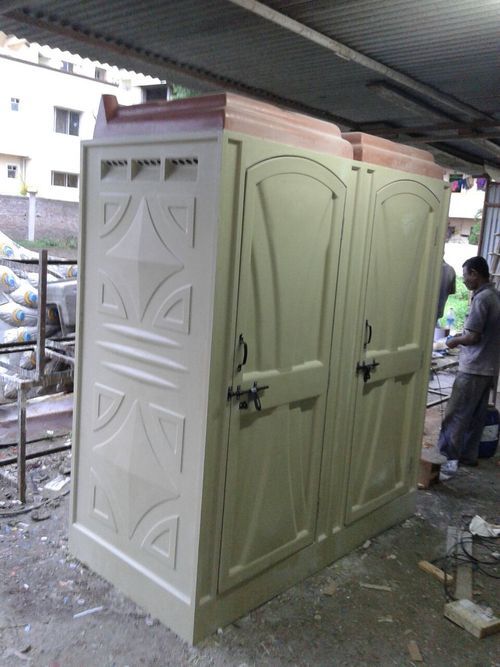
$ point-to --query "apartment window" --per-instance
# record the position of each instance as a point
(64, 180)
(12, 171)
(156, 92)
(67, 122)
(100, 74)
(66, 66)
(14, 103)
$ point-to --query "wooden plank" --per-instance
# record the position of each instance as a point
(463, 577)
(436, 572)
(428, 474)
(376, 587)
(472, 618)
(414, 651)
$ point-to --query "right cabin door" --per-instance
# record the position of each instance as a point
(388, 379)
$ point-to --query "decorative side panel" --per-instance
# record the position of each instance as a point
(144, 356)
(142, 259)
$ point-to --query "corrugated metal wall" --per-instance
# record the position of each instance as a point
(490, 234)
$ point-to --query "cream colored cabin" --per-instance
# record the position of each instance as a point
(257, 296)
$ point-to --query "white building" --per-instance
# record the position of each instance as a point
(48, 104)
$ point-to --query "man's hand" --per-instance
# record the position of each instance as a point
(467, 338)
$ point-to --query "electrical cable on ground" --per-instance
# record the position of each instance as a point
(487, 564)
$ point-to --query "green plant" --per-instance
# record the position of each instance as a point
(474, 233)
(71, 242)
(460, 304)
(178, 92)
(476, 228)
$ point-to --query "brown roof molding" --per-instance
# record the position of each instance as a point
(221, 111)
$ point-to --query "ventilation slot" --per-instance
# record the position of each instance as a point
(182, 161)
(114, 169)
(181, 169)
(147, 169)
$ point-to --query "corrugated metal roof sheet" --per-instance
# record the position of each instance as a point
(447, 47)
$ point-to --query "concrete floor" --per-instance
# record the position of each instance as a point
(331, 618)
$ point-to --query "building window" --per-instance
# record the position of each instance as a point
(67, 122)
(14, 103)
(100, 74)
(66, 66)
(156, 92)
(64, 180)
(12, 171)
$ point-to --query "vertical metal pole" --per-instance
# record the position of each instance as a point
(31, 214)
(42, 313)
(21, 442)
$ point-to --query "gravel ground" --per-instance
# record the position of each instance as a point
(54, 612)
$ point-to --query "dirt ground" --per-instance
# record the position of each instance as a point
(332, 618)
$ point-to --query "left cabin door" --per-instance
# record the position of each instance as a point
(292, 223)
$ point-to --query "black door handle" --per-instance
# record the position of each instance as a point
(368, 333)
(242, 341)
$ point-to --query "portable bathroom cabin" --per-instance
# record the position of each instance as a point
(255, 317)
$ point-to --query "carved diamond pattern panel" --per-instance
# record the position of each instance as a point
(107, 401)
(130, 461)
(161, 540)
(143, 259)
(137, 454)
(175, 312)
(110, 300)
(180, 214)
(113, 208)
(101, 506)
(166, 428)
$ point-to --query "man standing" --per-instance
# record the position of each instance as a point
(447, 286)
(478, 367)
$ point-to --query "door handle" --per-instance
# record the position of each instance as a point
(368, 334)
(242, 341)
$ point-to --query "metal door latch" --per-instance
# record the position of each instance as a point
(366, 369)
(251, 394)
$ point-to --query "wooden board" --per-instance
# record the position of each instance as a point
(472, 618)
(436, 572)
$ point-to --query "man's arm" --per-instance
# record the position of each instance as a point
(467, 338)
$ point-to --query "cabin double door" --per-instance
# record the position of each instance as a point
(294, 212)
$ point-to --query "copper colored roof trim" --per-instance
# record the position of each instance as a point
(224, 111)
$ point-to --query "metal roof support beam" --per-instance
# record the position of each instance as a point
(406, 101)
(484, 128)
(402, 99)
(345, 52)
(407, 134)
